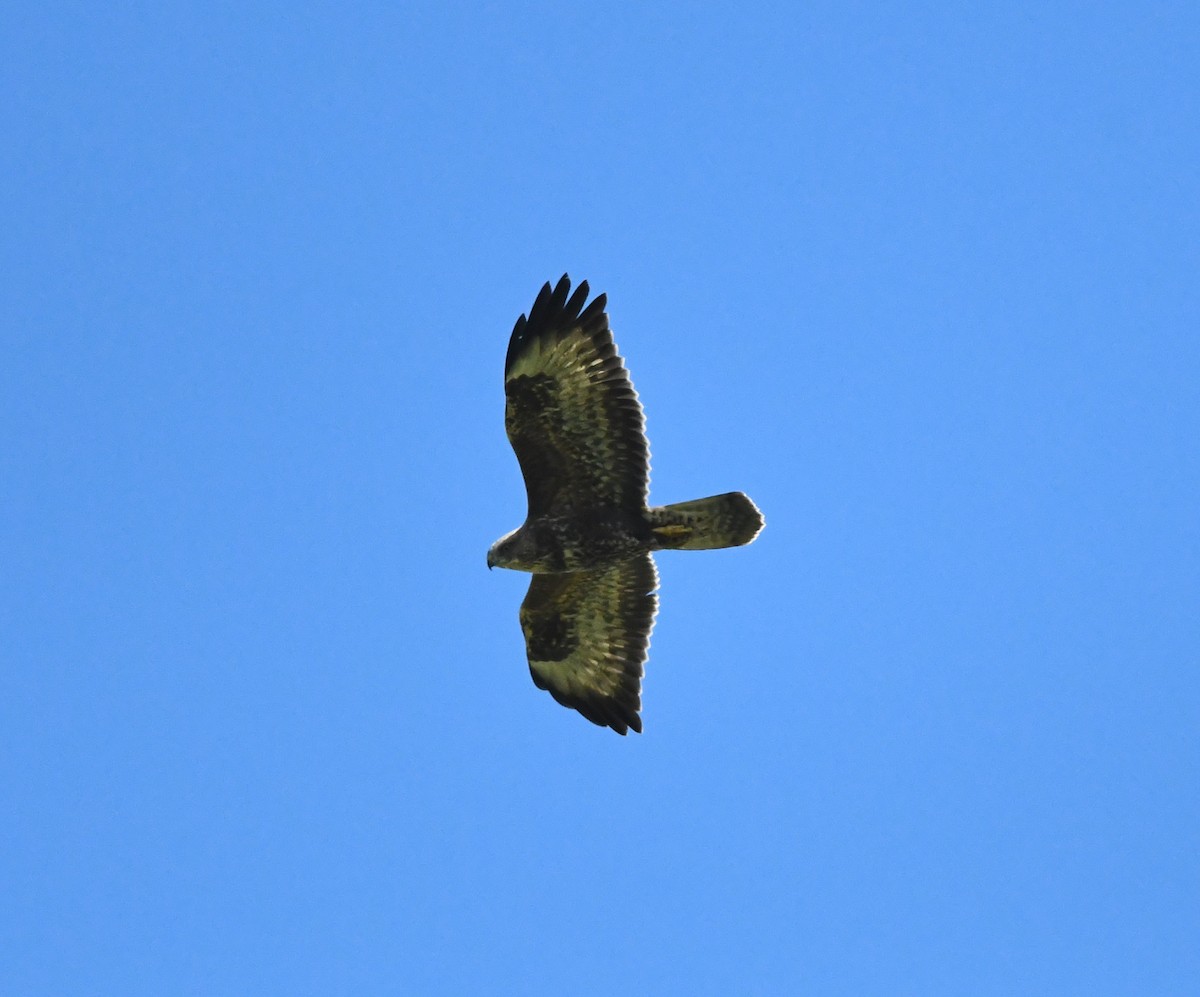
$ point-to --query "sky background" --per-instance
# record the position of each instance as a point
(923, 280)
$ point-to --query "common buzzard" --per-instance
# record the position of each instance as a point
(576, 425)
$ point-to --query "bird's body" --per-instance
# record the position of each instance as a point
(578, 540)
(577, 428)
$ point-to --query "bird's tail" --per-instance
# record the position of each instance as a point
(728, 520)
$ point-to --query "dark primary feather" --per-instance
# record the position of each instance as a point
(587, 635)
(552, 311)
(571, 412)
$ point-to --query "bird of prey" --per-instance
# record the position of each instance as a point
(576, 425)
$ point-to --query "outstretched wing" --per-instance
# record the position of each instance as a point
(587, 634)
(571, 413)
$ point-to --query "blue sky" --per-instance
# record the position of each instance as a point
(922, 280)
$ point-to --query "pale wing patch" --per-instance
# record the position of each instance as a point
(564, 359)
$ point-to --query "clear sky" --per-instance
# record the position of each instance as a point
(924, 280)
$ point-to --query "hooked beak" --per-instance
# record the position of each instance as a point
(491, 563)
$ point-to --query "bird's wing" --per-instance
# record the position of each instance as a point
(587, 634)
(571, 412)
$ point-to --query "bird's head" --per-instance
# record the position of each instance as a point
(504, 552)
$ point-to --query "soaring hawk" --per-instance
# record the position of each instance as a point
(576, 425)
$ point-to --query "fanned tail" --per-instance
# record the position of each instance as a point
(728, 520)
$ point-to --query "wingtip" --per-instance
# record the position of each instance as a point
(555, 311)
